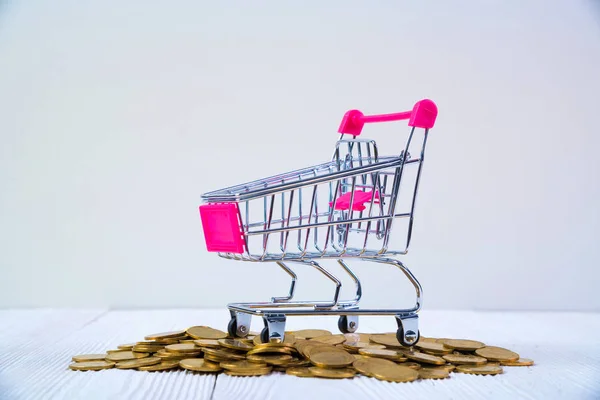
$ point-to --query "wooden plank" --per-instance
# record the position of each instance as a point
(567, 365)
(36, 347)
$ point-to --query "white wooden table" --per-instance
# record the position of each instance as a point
(36, 347)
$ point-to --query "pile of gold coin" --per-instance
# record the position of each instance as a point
(311, 353)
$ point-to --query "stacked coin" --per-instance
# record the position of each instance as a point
(314, 353)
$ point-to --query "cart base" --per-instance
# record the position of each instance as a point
(274, 312)
(274, 320)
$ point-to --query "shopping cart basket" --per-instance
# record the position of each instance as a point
(342, 209)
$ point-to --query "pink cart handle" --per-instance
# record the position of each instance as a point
(423, 115)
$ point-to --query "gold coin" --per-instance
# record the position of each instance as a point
(433, 348)
(337, 358)
(257, 344)
(213, 343)
(128, 346)
(89, 357)
(235, 344)
(241, 365)
(303, 372)
(199, 365)
(214, 360)
(288, 339)
(125, 355)
(173, 340)
(353, 347)
(114, 351)
(285, 362)
(168, 353)
(182, 348)
(367, 365)
(479, 369)
(494, 353)
(395, 373)
(306, 350)
(521, 362)
(225, 354)
(447, 367)
(271, 359)
(147, 343)
(91, 365)
(386, 339)
(357, 337)
(423, 339)
(317, 347)
(310, 333)
(205, 332)
(412, 365)
(462, 344)
(330, 339)
(255, 372)
(298, 363)
(382, 353)
(271, 350)
(165, 355)
(165, 335)
(163, 366)
(467, 359)
(147, 349)
(433, 373)
(337, 373)
(138, 362)
(300, 343)
(425, 358)
(288, 347)
(159, 346)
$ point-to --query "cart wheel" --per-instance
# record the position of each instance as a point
(232, 327)
(264, 335)
(346, 325)
(343, 324)
(408, 340)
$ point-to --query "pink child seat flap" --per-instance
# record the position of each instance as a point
(360, 198)
(222, 227)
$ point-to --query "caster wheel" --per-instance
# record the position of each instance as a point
(408, 340)
(348, 324)
(343, 324)
(232, 328)
(264, 335)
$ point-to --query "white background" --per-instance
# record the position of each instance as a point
(116, 116)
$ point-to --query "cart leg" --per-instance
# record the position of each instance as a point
(239, 324)
(411, 278)
(356, 282)
(338, 285)
(274, 330)
(292, 286)
(408, 321)
(408, 329)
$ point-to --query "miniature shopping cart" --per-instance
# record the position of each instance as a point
(341, 210)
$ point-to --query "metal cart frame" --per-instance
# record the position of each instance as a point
(343, 209)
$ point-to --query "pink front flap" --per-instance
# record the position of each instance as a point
(358, 203)
(222, 227)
